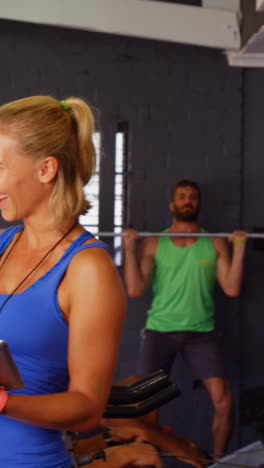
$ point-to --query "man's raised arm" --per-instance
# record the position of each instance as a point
(139, 266)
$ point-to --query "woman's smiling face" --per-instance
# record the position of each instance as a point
(20, 188)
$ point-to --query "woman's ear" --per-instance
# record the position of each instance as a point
(48, 169)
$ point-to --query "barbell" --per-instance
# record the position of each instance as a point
(250, 235)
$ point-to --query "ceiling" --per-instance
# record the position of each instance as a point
(234, 26)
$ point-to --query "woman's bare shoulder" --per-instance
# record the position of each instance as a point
(92, 258)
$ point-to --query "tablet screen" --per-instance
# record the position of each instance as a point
(10, 377)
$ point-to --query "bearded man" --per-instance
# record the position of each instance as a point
(183, 271)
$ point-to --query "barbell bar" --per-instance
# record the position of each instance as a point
(250, 235)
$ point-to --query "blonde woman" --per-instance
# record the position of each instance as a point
(61, 299)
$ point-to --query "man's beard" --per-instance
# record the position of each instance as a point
(187, 216)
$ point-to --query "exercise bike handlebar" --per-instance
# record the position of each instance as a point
(151, 403)
(139, 391)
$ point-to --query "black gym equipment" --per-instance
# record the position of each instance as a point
(149, 394)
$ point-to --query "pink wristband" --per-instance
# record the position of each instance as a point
(3, 398)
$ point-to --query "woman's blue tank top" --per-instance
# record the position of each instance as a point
(32, 324)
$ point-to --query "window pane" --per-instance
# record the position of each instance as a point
(119, 157)
(118, 247)
(118, 203)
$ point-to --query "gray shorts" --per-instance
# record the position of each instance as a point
(199, 350)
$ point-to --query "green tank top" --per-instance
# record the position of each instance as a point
(183, 285)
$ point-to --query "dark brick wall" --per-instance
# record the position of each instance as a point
(253, 217)
(190, 115)
(252, 319)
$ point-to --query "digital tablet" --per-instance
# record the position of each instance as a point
(10, 377)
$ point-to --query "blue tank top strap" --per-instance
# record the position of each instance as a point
(94, 244)
(78, 244)
(7, 235)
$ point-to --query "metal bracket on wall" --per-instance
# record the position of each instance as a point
(252, 36)
(163, 21)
